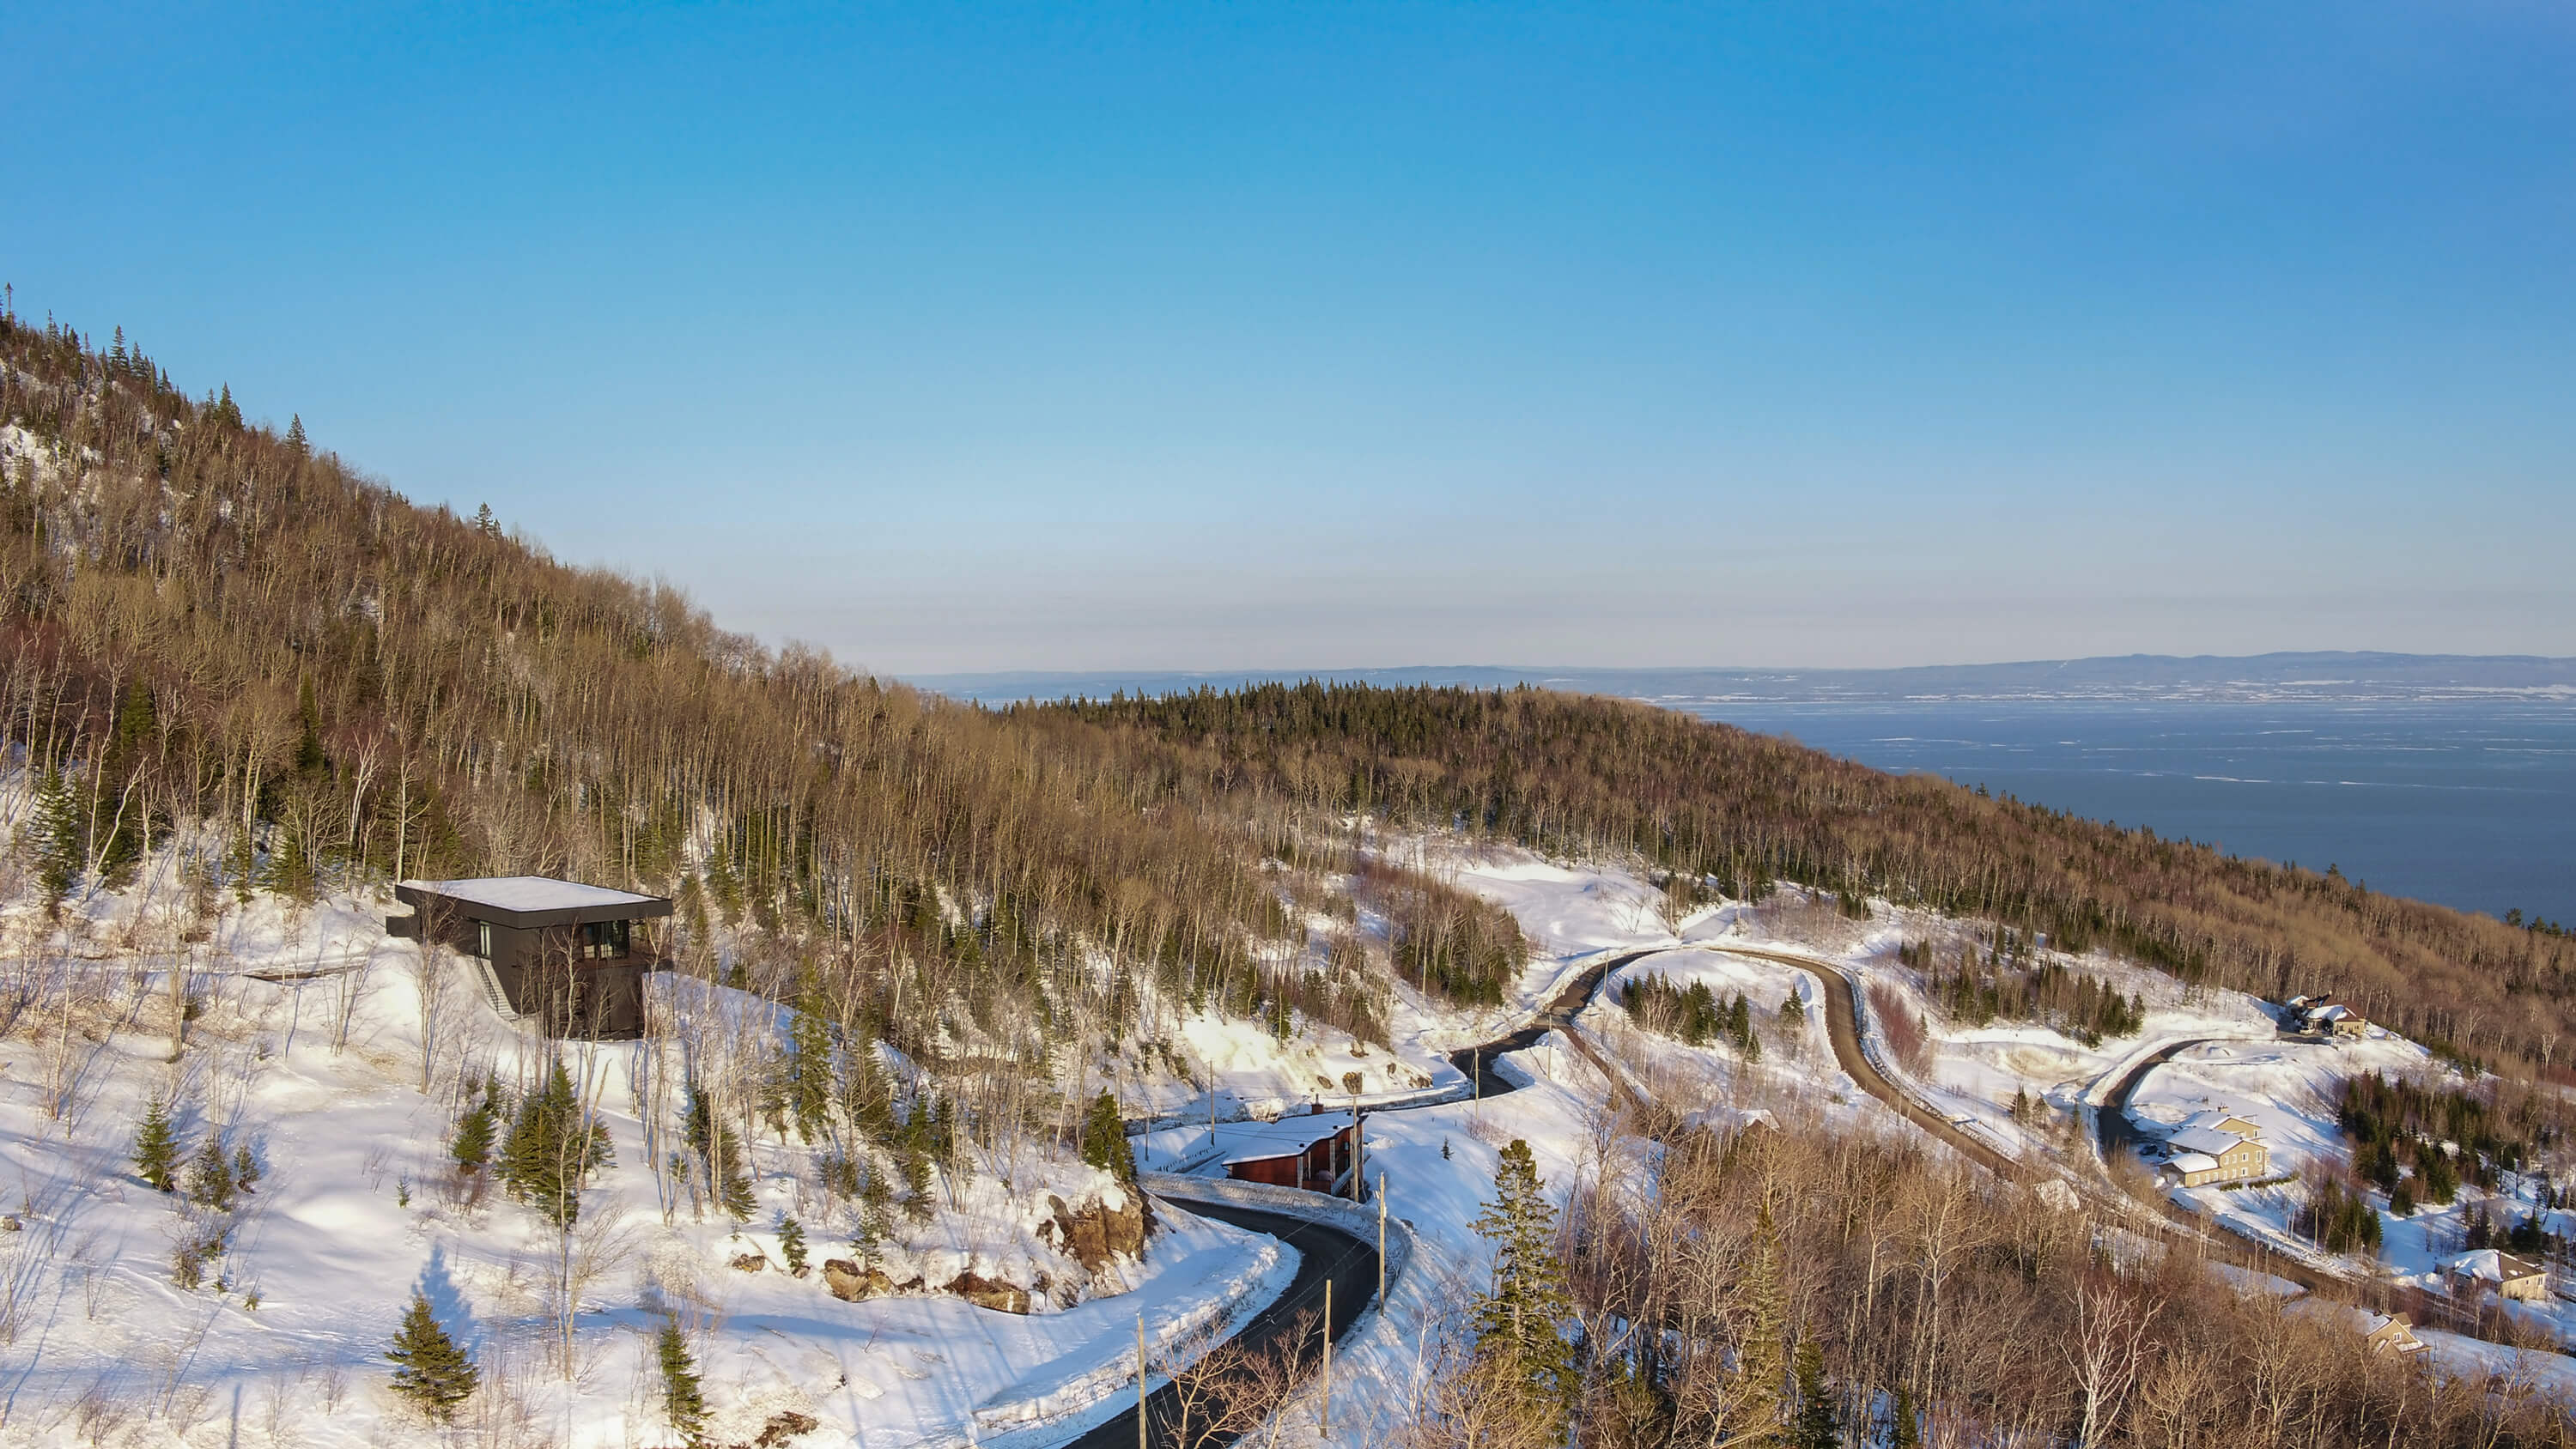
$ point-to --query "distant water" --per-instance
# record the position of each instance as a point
(2468, 803)
(2449, 779)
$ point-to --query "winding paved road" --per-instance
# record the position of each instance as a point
(2153, 1213)
(1327, 1252)
(1324, 1252)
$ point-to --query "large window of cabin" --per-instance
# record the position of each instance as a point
(603, 940)
(483, 939)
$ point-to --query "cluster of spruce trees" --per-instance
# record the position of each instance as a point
(2341, 1220)
(212, 1178)
(2012, 983)
(2391, 1117)
(550, 1147)
(1693, 1013)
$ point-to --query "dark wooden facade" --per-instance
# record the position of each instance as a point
(571, 957)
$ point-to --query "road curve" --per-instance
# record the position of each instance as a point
(1327, 1252)
(2157, 1213)
(1842, 1028)
(1286, 1326)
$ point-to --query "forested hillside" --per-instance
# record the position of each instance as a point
(1569, 773)
(207, 620)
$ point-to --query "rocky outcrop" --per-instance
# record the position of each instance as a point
(990, 1293)
(750, 1262)
(851, 1285)
(1095, 1234)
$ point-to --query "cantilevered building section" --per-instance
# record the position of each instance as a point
(564, 954)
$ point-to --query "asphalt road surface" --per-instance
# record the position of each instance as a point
(1287, 1328)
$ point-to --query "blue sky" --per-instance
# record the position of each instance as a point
(1291, 336)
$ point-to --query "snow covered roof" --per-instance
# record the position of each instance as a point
(2491, 1265)
(2193, 1162)
(2205, 1139)
(2334, 1012)
(1260, 1141)
(2216, 1120)
(537, 895)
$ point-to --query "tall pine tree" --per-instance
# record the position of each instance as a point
(684, 1400)
(156, 1147)
(552, 1149)
(1104, 1140)
(432, 1370)
(1817, 1426)
(1516, 1320)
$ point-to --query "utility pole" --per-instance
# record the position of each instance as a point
(1359, 1152)
(1141, 1418)
(1324, 1425)
(1381, 1240)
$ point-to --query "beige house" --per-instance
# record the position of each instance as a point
(2391, 1333)
(2503, 1273)
(2209, 1154)
(2330, 1018)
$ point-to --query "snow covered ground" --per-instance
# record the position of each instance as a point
(319, 1071)
(320, 1077)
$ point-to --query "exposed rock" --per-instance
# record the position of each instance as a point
(852, 1286)
(985, 1292)
(1094, 1234)
(750, 1262)
(782, 1426)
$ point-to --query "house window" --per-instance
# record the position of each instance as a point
(603, 940)
(483, 939)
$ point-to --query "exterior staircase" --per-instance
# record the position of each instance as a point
(492, 991)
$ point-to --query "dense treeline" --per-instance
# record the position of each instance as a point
(1564, 773)
(211, 624)
(1691, 1014)
(2393, 1121)
(2016, 987)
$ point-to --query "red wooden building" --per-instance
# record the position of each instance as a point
(1314, 1151)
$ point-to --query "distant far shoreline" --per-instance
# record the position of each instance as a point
(2135, 678)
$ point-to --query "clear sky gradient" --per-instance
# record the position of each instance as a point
(973, 337)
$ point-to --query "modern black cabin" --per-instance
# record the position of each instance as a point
(561, 953)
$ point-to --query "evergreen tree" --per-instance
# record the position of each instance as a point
(1104, 1140)
(791, 1242)
(210, 1174)
(1816, 1426)
(156, 1148)
(552, 1150)
(1793, 1010)
(809, 1072)
(1517, 1318)
(471, 1147)
(295, 436)
(721, 1152)
(684, 1401)
(245, 1167)
(1762, 1354)
(432, 1370)
(61, 844)
(485, 523)
(1902, 1431)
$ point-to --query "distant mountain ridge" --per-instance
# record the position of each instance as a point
(2312, 675)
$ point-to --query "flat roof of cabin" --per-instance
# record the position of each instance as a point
(1262, 1141)
(536, 900)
